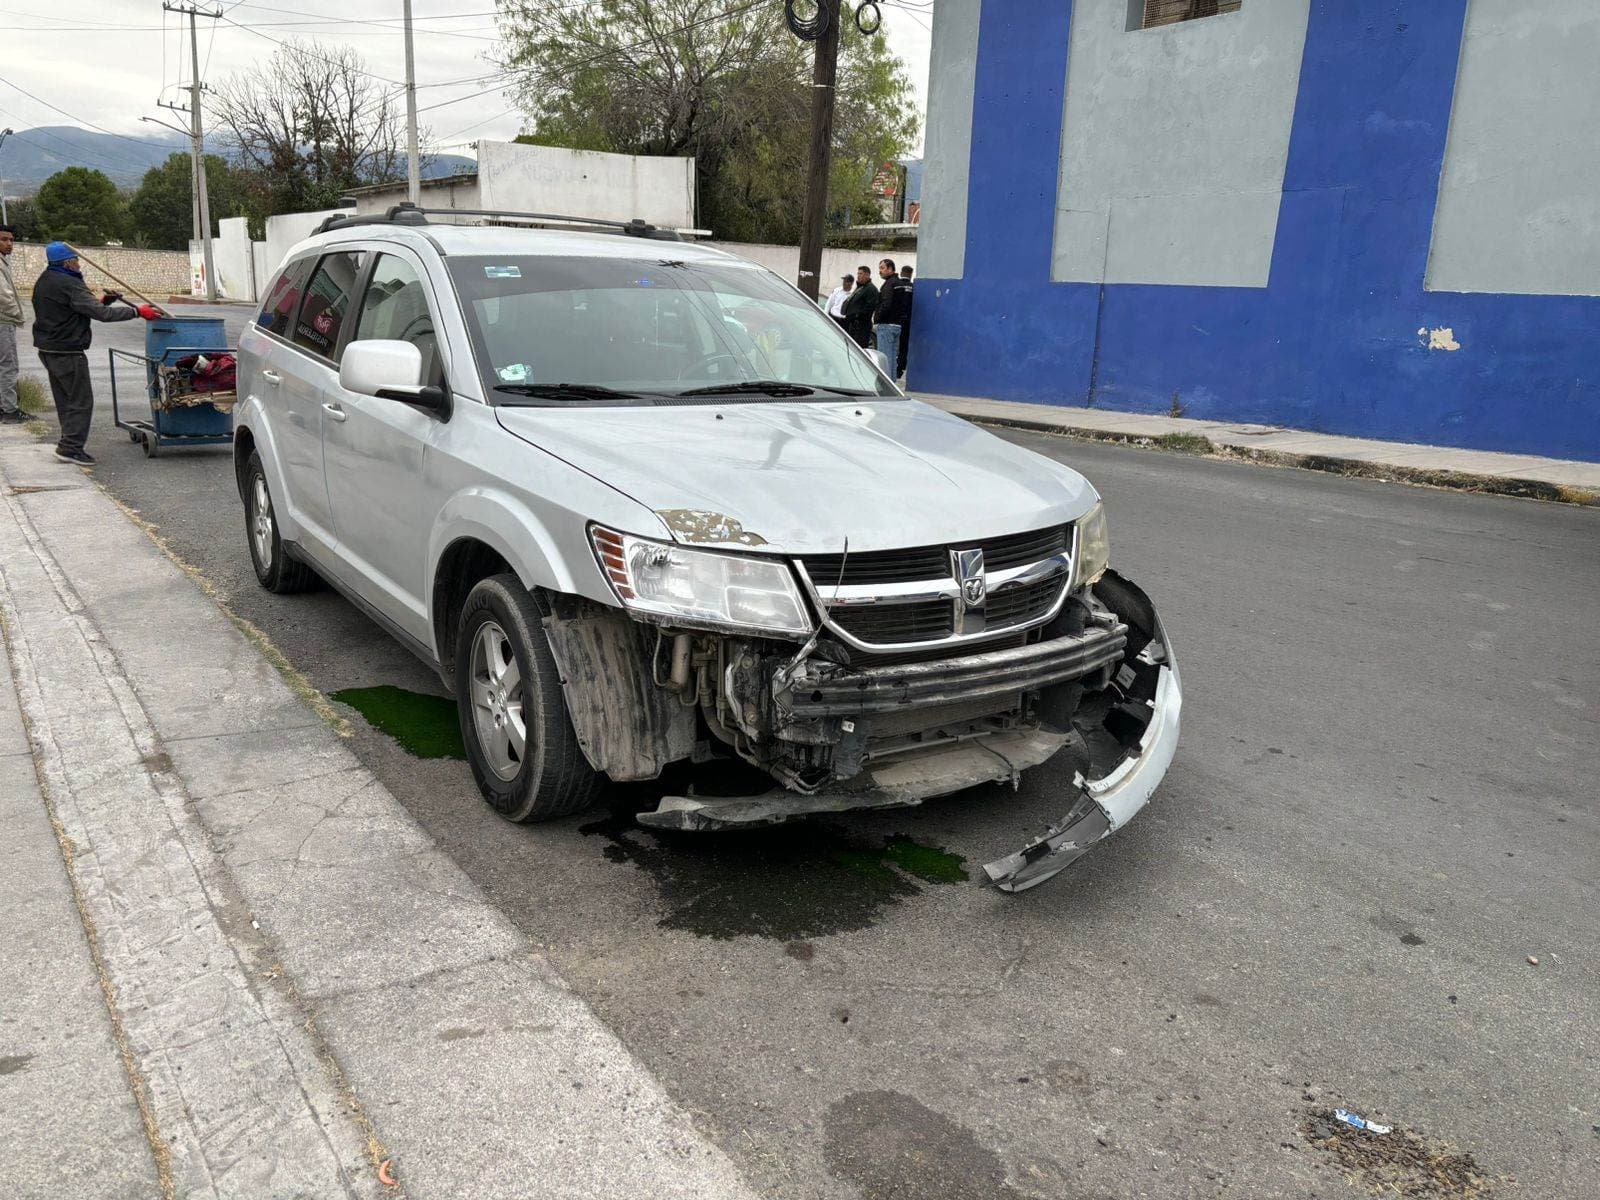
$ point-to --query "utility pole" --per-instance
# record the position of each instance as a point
(5, 218)
(413, 166)
(202, 201)
(824, 71)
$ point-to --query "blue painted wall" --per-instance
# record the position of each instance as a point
(1331, 343)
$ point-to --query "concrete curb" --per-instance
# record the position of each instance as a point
(316, 998)
(1201, 443)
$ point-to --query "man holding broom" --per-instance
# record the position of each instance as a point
(63, 306)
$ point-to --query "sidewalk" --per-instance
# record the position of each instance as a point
(254, 975)
(1439, 466)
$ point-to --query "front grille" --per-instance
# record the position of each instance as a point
(863, 603)
(933, 562)
(1019, 605)
(895, 624)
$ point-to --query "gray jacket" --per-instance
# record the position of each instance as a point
(10, 305)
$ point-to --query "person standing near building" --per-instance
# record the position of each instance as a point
(839, 296)
(11, 318)
(906, 272)
(891, 312)
(63, 306)
(859, 307)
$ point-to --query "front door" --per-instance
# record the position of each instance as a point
(373, 452)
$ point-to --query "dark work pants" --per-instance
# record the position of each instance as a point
(74, 396)
(905, 349)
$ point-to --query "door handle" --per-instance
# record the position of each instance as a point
(272, 377)
(335, 413)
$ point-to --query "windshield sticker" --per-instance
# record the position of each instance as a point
(515, 373)
(642, 283)
(502, 272)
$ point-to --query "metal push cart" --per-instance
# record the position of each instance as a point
(183, 412)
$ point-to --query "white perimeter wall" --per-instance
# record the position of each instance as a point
(585, 183)
(785, 260)
(284, 230)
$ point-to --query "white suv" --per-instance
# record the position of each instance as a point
(639, 502)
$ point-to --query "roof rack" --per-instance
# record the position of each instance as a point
(407, 213)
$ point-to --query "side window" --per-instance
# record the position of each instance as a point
(395, 308)
(327, 301)
(283, 298)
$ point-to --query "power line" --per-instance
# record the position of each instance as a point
(69, 116)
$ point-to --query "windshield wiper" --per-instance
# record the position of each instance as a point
(565, 391)
(761, 387)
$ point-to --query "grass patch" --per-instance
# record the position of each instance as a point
(425, 726)
(1184, 443)
(32, 396)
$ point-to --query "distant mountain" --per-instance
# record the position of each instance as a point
(30, 156)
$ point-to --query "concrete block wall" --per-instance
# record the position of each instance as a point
(157, 273)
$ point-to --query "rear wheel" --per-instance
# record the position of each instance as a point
(275, 570)
(520, 742)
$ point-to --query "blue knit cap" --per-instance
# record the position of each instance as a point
(57, 252)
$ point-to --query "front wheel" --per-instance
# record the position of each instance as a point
(520, 742)
(275, 570)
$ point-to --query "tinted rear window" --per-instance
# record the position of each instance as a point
(283, 298)
(327, 301)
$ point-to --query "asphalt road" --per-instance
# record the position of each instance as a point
(1384, 803)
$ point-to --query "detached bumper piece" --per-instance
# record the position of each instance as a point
(822, 690)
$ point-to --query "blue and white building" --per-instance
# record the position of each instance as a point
(1370, 217)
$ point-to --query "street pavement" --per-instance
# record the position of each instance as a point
(1382, 811)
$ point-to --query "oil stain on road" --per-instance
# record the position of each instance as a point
(891, 1146)
(789, 882)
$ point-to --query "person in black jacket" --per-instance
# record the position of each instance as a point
(858, 307)
(892, 312)
(63, 306)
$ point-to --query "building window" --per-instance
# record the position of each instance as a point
(1148, 14)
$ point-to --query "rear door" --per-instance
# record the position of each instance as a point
(293, 402)
(374, 449)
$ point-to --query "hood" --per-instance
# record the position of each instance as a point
(799, 478)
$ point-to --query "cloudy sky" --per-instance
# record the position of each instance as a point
(105, 62)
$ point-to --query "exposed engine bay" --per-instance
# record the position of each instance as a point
(839, 730)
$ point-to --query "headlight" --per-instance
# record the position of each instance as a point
(1094, 548)
(702, 587)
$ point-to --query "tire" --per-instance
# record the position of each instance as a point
(500, 636)
(275, 570)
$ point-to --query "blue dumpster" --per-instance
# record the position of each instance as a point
(181, 414)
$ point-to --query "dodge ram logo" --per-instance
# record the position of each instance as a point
(973, 590)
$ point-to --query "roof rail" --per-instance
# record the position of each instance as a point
(406, 213)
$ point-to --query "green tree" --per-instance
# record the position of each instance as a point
(80, 206)
(160, 214)
(23, 215)
(725, 82)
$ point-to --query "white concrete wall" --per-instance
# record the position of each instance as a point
(615, 187)
(1174, 144)
(952, 71)
(785, 260)
(284, 230)
(1519, 198)
(434, 195)
(265, 271)
(232, 255)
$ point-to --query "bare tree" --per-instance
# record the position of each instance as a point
(310, 123)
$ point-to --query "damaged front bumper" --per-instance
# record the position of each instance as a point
(1105, 804)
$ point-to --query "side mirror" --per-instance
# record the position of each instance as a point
(882, 359)
(389, 370)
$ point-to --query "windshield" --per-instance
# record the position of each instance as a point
(611, 330)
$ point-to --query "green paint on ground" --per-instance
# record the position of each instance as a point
(925, 862)
(425, 726)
